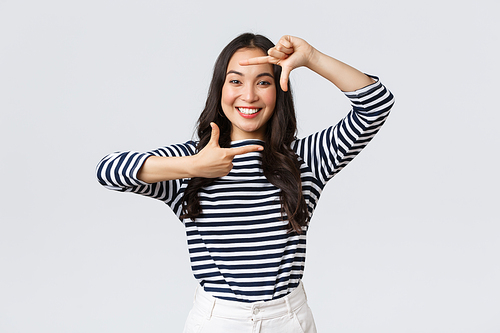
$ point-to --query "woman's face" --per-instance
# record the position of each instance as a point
(248, 95)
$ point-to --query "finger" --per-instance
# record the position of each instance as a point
(214, 136)
(285, 73)
(244, 150)
(285, 50)
(284, 46)
(277, 54)
(287, 41)
(256, 61)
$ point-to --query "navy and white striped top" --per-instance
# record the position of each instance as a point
(239, 246)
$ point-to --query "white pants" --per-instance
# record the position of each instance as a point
(289, 314)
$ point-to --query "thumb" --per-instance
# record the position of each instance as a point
(285, 73)
(214, 136)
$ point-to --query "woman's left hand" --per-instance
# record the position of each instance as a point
(289, 53)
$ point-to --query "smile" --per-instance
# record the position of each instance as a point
(249, 111)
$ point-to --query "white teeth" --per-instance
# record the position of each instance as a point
(248, 111)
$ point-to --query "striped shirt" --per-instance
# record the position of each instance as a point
(239, 246)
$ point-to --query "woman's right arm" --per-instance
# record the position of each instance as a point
(211, 162)
(157, 173)
(157, 169)
(120, 171)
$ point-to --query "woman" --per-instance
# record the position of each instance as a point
(247, 189)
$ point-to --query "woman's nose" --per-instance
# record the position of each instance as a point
(249, 94)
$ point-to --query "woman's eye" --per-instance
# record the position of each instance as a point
(234, 81)
(265, 83)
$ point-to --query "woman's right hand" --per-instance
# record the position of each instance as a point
(213, 161)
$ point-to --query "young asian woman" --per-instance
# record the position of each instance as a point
(247, 188)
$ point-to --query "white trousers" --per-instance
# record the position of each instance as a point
(289, 314)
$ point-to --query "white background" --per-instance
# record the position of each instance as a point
(405, 239)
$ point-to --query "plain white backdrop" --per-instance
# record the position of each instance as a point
(405, 239)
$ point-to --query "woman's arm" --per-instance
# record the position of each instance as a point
(158, 168)
(293, 52)
(329, 151)
(345, 77)
(119, 171)
(211, 162)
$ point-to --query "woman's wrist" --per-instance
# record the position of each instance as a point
(191, 166)
(313, 59)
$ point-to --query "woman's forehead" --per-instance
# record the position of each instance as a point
(247, 53)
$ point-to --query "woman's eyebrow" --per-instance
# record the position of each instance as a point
(266, 74)
(235, 72)
(241, 74)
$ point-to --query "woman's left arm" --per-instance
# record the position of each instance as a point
(293, 52)
(330, 150)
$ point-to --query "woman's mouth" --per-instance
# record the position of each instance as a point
(248, 112)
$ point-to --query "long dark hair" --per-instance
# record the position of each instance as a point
(279, 163)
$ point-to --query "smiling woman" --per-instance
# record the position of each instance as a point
(246, 191)
(248, 96)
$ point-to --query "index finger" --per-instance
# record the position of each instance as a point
(244, 150)
(256, 61)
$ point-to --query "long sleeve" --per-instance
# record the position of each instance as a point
(118, 171)
(329, 151)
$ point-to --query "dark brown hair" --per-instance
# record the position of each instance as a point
(279, 163)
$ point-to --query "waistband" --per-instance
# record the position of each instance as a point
(260, 310)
